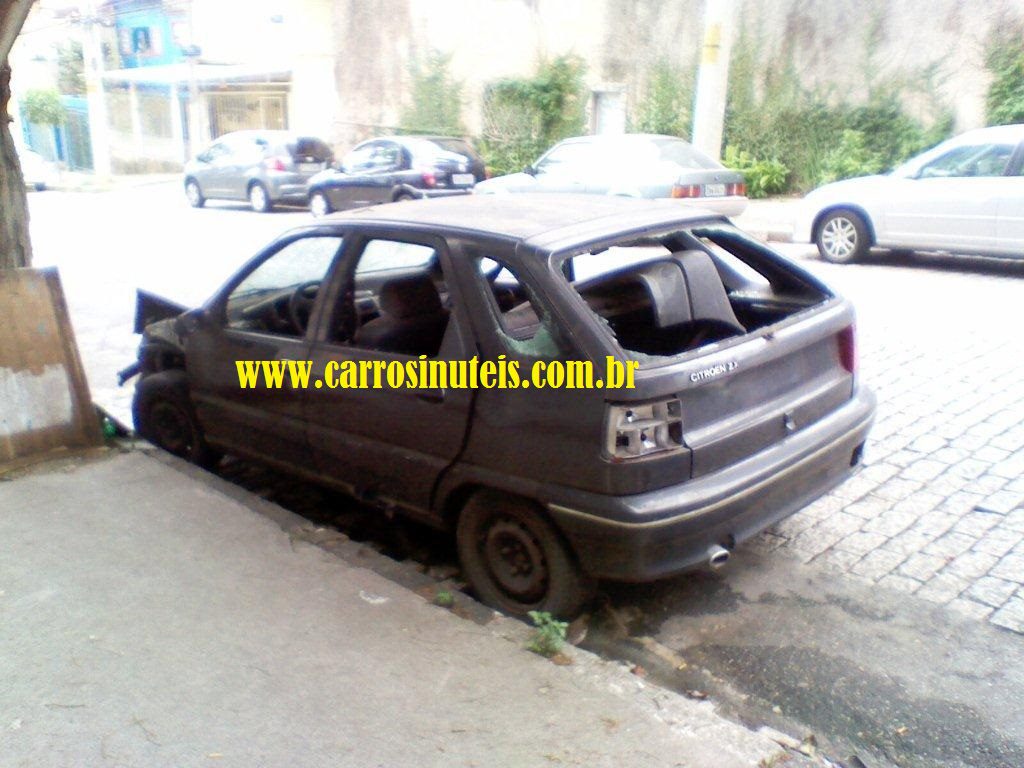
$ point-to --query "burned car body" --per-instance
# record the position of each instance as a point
(746, 405)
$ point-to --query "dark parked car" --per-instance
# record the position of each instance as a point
(263, 167)
(397, 168)
(747, 404)
(630, 165)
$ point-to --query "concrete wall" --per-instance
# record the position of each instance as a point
(844, 46)
(838, 46)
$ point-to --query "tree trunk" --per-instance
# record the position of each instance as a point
(15, 248)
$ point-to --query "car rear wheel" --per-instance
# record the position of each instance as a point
(516, 561)
(194, 194)
(843, 237)
(259, 198)
(405, 196)
(163, 414)
(319, 205)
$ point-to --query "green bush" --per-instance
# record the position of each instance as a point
(1004, 59)
(849, 158)
(549, 636)
(524, 116)
(43, 107)
(436, 105)
(763, 177)
(667, 102)
(770, 115)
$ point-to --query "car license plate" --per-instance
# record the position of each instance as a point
(462, 179)
(310, 167)
(714, 190)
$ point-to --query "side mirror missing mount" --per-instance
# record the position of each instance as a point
(190, 321)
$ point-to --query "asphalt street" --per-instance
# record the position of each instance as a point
(885, 618)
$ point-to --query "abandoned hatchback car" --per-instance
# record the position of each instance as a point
(746, 405)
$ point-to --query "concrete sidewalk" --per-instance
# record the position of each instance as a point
(150, 615)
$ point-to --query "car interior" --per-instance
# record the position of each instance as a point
(659, 297)
(666, 296)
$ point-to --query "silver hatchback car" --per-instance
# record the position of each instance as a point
(263, 167)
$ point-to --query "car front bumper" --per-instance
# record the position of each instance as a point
(669, 530)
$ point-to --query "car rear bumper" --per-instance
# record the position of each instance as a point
(444, 192)
(656, 534)
(733, 205)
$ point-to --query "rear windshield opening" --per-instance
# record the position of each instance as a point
(668, 295)
(312, 148)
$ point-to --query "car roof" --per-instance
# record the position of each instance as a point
(621, 137)
(547, 222)
(1012, 133)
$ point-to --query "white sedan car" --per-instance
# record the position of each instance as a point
(39, 174)
(964, 196)
(630, 165)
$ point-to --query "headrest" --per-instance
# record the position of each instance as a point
(409, 297)
(708, 299)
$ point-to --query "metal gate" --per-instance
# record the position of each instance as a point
(75, 134)
(247, 111)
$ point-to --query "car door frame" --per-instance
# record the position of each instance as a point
(276, 416)
(405, 473)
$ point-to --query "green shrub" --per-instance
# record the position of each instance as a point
(1004, 59)
(436, 105)
(43, 107)
(667, 102)
(550, 634)
(770, 115)
(849, 158)
(523, 117)
(763, 177)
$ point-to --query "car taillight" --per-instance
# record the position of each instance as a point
(847, 340)
(429, 179)
(686, 190)
(737, 189)
(633, 431)
(275, 164)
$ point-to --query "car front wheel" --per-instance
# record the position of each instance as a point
(163, 414)
(319, 205)
(194, 194)
(516, 561)
(843, 237)
(259, 198)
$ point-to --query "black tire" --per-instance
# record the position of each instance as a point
(320, 204)
(401, 196)
(259, 198)
(516, 561)
(163, 414)
(843, 237)
(194, 193)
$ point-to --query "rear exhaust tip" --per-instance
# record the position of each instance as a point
(717, 556)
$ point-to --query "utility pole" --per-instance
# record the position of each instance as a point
(196, 139)
(713, 76)
(99, 134)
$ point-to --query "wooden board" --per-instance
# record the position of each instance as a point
(44, 397)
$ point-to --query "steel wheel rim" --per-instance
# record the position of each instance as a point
(515, 560)
(839, 237)
(172, 429)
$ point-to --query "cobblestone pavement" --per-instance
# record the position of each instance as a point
(938, 509)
